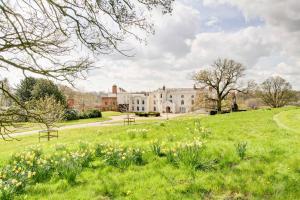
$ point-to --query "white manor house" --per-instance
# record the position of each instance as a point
(163, 100)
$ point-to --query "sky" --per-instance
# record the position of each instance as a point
(264, 35)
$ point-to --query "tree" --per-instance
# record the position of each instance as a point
(46, 88)
(25, 88)
(47, 110)
(40, 37)
(4, 101)
(276, 92)
(33, 88)
(223, 78)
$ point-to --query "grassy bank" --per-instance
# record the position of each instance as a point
(269, 170)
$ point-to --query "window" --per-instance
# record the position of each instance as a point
(171, 101)
(137, 108)
(143, 108)
(193, 102)
(132, 101)
(106, 103)
(182, 110)
(138, 101)
(154, 108)
(193, 96)
(170, 96)
(182, 102)
(154, 102)
(143, 102)
(182, 96)
(132, 108)
(160, 95)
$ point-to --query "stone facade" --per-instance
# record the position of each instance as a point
(163, 100)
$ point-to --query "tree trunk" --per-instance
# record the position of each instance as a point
(219, 105)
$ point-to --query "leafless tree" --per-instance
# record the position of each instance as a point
(276, 92)
(39, 36)
(223, 78)
(48, 111)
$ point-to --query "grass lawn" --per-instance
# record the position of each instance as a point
(269, 170)
(289, 119)
(23, 127)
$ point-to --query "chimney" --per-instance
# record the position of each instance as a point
(114, 89)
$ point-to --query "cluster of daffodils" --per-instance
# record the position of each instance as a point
(21, 170)
(197, 129)
(188, 153)
(119, 156)
(32, 166)
(137, 131)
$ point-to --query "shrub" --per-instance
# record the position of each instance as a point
(241, 149)
(142, 114)
(145, 114)
(83, 115)
(156, 114)
(71, 114)
(213, 112)
(94, 113)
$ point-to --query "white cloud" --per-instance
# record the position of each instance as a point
(181, 46)
(213, 21)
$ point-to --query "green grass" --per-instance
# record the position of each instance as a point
(111, 113)
(27, 126)
(289, 119)
(270, 169)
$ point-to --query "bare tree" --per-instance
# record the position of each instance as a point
(48, 111)
(40, 36)
(276, 92)
(223, 78)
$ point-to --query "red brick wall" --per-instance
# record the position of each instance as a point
(70, 103)
(109, 104)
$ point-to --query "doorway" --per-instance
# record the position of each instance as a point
(168, 109)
